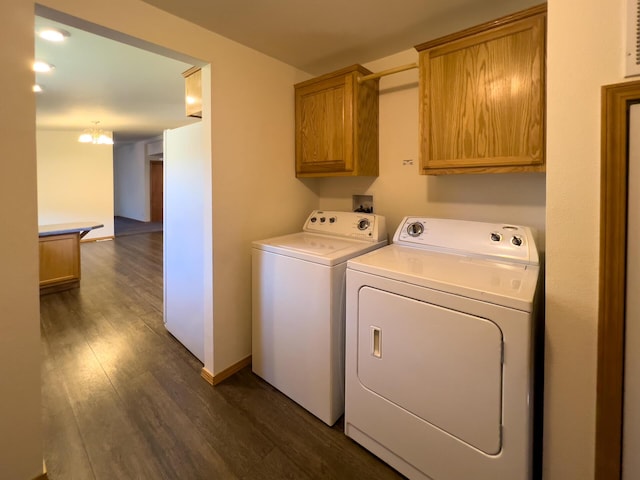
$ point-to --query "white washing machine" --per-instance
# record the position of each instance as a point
(298, 309)
(439, 350)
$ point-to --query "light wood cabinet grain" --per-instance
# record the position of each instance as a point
(59, 262)
(337, 125)
(193, 92)
(482, 96)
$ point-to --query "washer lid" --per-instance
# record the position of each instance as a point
(502, 283)
(313, 247)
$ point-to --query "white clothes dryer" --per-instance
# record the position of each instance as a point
(439, 350)
(298, 308)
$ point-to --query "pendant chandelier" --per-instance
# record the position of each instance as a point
(96, 135)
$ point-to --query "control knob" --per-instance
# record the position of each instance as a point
(363, 224)
(495, 237)
(516, 240)
(415, 229)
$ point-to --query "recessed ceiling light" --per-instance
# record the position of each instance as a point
(53, 34)
(37, 88)
(41, 67)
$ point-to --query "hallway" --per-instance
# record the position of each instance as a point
(128, 226)
(122, 399)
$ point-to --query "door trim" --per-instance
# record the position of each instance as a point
(616, 101)
(152, 217)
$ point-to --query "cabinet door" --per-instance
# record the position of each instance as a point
(193, 92)
(324, 126)
(59, 259)
(482, 103)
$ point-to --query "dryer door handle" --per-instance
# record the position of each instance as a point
(376, 341)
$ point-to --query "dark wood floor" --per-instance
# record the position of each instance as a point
(122, 399)
(129, 226)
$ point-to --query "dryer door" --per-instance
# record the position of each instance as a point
(441, 365)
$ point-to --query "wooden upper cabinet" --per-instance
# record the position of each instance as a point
(482, 98)
(337, 125)
(193, 92)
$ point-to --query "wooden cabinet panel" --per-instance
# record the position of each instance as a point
(193, 92)
(60, 261)
(323, 131)
(482, 97)
(337, 125)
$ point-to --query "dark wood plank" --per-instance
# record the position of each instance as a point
(275, 465)
(181, 450)
(124, 399)
(65, 451)
(225, 427)
(317, 450)
(113, 445)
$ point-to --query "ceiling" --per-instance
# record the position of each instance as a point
(319, 36)
(132, 92)
(137, 94)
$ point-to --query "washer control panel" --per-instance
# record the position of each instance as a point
(463, 237)
(359, 226)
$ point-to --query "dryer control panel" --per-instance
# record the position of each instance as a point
(359, 226)
(489, 240)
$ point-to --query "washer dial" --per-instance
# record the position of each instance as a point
(363, 224)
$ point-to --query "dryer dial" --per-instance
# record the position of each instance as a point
(415, 229)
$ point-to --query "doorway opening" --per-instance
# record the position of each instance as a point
(140, 185)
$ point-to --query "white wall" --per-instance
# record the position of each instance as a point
(400, 190)
(187, 219)
(131, 181)
(75, 181)
(255, 192)
(585, 51)
(21, 435)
